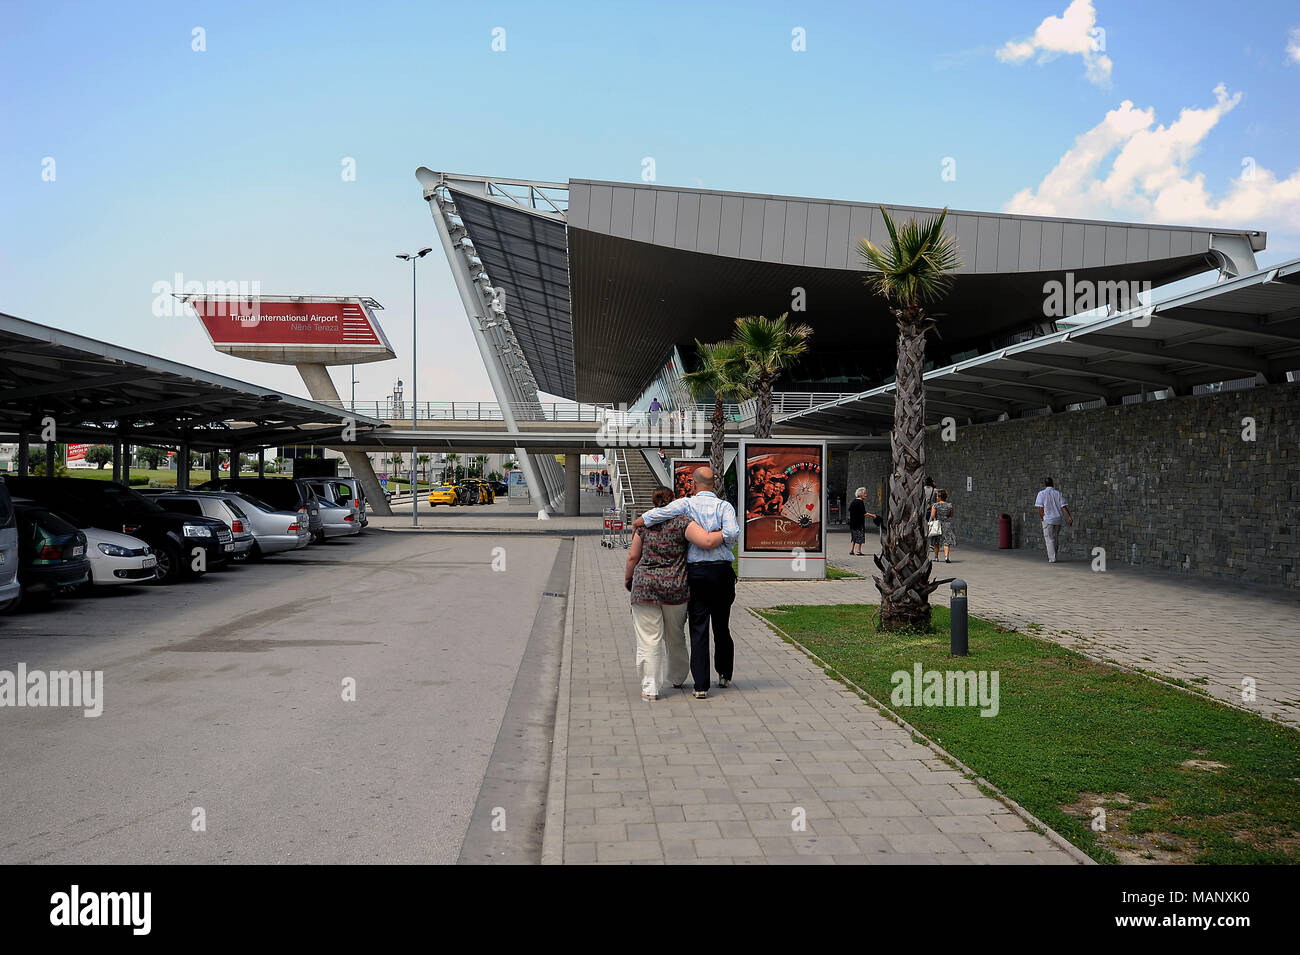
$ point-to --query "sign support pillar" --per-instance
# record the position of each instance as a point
(321, 388)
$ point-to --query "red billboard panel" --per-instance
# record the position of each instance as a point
(293, 328)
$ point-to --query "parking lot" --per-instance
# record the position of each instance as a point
(226, 695)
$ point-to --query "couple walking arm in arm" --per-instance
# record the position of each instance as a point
(711, 582)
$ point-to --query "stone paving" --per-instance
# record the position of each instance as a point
(724, 780)
(1210, 636)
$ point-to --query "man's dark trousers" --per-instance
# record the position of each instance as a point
(713, 590)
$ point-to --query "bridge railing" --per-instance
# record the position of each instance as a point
(469, 410)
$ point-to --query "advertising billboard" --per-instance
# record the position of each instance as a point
(294, 329)
(783, 507)
(683, 468)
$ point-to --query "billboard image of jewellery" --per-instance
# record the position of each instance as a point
(683, 471)
(783, 503)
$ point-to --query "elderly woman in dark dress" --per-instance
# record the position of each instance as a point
(656, 576)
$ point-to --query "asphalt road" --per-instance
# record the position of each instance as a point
(227, 694)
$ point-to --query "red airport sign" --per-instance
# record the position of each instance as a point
(293, 329)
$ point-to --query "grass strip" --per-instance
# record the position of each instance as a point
(1181, 777)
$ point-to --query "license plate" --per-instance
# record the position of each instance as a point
(78, 551)
(229, 547)
(148, 562)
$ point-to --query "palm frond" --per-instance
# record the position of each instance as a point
(916, 266)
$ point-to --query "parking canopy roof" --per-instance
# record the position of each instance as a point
(1244, 327)
(99, 393)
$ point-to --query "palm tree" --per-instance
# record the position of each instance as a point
(767, 346)
(720, 375)
(424, 466)
(452, 459)
(480, 463)
(913, 270)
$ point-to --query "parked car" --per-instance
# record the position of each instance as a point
(212, 505)
(284, 494)
(176, 539)
(485, 493)
(500, 487)
(274, 531)
(10, 589)
(443, 494)
(331, 491)
(351, 487)
(117, 559)
(470, 492)
(337, 520)
(51, 554)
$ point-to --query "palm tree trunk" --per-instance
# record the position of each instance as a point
(719, 436)
(904, 581)
(763, 412)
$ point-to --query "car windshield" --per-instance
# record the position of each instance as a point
(257, 502)
(129, 501)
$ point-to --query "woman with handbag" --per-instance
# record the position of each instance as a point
(940, 529)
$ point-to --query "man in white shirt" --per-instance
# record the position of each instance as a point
(713, 582)
(1051, 506)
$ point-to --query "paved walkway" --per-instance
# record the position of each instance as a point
(1209, 634)
(725, 779)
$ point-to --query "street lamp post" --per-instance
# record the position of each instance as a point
(413, 257)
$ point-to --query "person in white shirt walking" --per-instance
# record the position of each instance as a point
(1051, 507)
(712, 581)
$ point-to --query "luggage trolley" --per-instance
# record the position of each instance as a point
(615, 534)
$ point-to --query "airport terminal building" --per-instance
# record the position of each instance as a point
(1169, 420)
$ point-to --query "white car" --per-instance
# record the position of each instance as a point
(118, 558)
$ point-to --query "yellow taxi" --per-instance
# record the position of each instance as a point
(442, 494)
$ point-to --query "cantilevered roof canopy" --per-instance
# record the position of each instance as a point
(1243, 327)
(599, 293)
(98, 392)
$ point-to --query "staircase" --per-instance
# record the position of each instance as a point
(638, 480)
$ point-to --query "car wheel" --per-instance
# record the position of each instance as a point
(169, 563)
(7, 606)
(255, 552)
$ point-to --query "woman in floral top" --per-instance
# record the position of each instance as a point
(656, 576)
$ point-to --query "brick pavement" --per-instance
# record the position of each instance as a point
(721, 780)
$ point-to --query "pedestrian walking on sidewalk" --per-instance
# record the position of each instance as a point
(858, 515)
(941, 513)
(712, 581)
(656, 577)
(1051, 508)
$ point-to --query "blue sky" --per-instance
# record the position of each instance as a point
(225, 163)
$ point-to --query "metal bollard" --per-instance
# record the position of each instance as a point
(957, 618)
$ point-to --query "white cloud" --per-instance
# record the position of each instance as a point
(1293, 45)
(1150, 177)
(1074, 32)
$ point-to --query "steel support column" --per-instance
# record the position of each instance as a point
(475, 308)
(572, 479)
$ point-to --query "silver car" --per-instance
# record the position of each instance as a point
(338, 520)
(350, 487)
(334, 491)
(207, 505)
(274, 531)
(10, 589)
